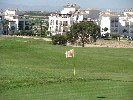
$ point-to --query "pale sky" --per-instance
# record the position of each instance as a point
(46, 4)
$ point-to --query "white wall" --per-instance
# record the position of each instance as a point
(128, 12)
(105, 22)
(56, 24)
(131, 27)
(1, 25)
(13, 12)
(68, 10)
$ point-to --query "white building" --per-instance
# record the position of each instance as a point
(129, 12)
(61, 22)
(130, 26)
(121, 23)
(90, 14)
(16, 20)
(1, 23)
(111, 22)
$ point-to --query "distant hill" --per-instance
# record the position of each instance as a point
(31, 8)
(37, 13)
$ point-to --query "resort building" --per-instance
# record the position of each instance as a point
(16, 20)
(60, 22)
(111, 22)
(117, 23)
(1, 23)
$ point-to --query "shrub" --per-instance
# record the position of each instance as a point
(114, 36)
(105, 36)
(59, 39)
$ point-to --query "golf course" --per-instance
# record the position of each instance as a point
(34, 69)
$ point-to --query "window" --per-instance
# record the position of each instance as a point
(116, 30)
(60, 23)
(65, 23)
(56, 28)
(112, 24)
(51, 22)
(112, 20)
(116, 24)
(0, 17)
(116, 19)
(112, 29)
(56, 22)
(12, 28)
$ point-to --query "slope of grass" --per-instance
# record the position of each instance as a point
(36, 70)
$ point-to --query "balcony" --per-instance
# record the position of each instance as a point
(65, 25)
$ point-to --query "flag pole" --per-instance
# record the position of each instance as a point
(74, 71)
(70, 53)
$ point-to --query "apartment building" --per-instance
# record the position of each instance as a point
(1, 23)
(16, 20)
(60, 22)
(111, 22)
(117, 23)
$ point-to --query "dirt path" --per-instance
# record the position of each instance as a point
(112, 44)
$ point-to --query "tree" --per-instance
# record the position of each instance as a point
(83, 30)
(5, 26)
(124, 31)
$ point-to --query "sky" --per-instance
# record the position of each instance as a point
(56, 5)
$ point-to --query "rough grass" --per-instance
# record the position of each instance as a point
(36, 70)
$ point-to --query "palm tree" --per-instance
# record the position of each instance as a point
(124, 31)
(105, 29)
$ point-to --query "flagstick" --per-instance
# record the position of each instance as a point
(74, 71)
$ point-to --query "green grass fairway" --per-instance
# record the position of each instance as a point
(37, 70)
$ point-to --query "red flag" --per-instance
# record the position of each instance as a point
(69, 53)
